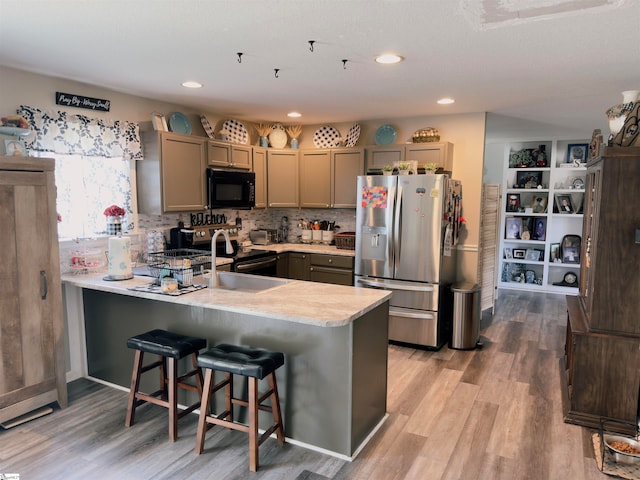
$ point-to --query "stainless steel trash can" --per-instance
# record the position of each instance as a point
(465, 330)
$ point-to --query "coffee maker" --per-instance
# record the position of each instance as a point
(181, 237)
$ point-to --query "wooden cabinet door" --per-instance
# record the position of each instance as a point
(379, 156)
(299, 266)
(218, 154)
(346, 164)
(282, 178)
(183, 173)
(240, 157)
(589, 237)
(260, 170)
(439, 153)
(32, 370)
(315, 178)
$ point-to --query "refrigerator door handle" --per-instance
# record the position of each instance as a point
(397, 312)
(394, 285)
(397, 241)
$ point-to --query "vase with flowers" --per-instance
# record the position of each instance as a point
(263, 131)
(294, 132)
(114, 215)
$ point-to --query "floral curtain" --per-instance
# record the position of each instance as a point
(67, 134)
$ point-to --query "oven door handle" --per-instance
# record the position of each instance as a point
(394, 285)
(247, 267)
(401, 312)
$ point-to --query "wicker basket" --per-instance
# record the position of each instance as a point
(345, 241)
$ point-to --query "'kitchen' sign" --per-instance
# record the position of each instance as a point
(79, 101)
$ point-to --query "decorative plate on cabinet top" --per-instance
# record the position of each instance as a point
(278, 136)
(326, 137)
(385, 135)
(179, 123)
(236, 133)
(207, 127)
(352, 136)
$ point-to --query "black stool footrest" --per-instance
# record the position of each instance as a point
(167, 344)
(239, 360)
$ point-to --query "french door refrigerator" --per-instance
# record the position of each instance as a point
(405, 231)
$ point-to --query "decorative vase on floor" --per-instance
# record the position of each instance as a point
(618, 113)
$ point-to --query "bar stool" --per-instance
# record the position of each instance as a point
(254, 364)
(170, 347)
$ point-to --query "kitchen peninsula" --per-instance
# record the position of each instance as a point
(333, 386)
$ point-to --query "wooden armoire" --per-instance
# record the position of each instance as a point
(602, 361)
(32, 364)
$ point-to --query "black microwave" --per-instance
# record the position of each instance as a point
(229, 189)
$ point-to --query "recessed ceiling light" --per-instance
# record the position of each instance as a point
(446, 101)
(389, 58)
(191, 84)
(294, 114)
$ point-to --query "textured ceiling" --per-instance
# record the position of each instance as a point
(548, 61)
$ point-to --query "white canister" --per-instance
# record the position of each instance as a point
(316, 236)
(119, 258)
(327, 237)
(306, 236)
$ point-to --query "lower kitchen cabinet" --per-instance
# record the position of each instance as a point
(282, 265)
(32, 364)
(299, 266)
(336, 269)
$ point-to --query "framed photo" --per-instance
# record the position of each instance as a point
(554, 253)
(577, 153)
(513, 202)
(159, 122)
(564, 204)
(539, 203)
(532, 255)
(570, 255)
(528, 179)
(513, 228)
(539, 229)
(508, 254)
(519, 253)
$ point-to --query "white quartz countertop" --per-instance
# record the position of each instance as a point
(305, 248)
(311, 303)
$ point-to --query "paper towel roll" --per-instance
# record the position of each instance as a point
(120, 258)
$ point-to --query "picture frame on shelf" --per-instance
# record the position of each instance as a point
(513, 202)
(539, 203)
(539, 229)
(159, 122)
(508, 254)
(564, 204)
(554, 253)
(519, 253)
(513, 228)
(577, 153)
(528, 179)
(532, 255)
(571, 255)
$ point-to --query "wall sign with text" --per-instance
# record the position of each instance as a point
(79, 101)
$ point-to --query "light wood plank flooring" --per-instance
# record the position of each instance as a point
(488, 414)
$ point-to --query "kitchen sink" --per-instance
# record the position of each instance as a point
(243, 282)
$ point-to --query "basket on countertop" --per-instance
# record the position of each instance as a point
(345, 241)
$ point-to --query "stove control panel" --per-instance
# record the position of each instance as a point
(204, 234)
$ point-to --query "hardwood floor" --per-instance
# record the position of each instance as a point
(494, 413)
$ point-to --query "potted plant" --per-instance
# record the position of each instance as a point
(387, 169)
(430, 168)
(404, 168)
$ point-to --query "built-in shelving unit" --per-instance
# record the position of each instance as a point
(543, 185)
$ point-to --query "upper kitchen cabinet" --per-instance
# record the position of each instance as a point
(440, 153)
(328, 177)
(228, 155)
(172, 176)
(32, 365)
(260, 170)
(282, 178)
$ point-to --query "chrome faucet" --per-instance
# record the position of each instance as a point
(213, 281)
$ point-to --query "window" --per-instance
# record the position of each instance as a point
(95, 166)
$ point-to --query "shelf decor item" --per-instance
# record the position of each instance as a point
(278, 136)
(521, 159)
(577, 154)
(617, 114)
(404, 168)
(294, 132)
(263, 130)
(430, 168)
(387, 169)
(428, 134)
(114, 216)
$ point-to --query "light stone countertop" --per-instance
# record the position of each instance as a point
(306, 248)
(311, 303)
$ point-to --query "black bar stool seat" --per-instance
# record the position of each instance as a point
(254, 364)
(170, 347)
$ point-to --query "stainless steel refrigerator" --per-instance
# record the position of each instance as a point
(405, 234)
